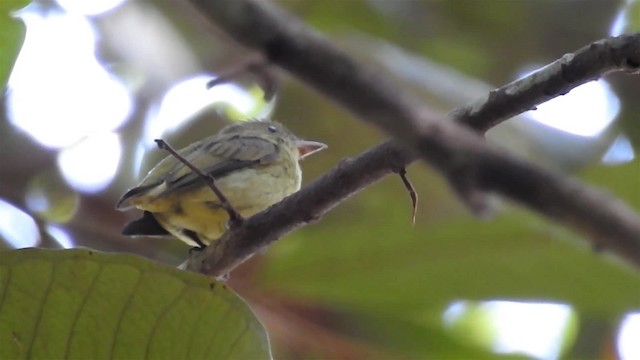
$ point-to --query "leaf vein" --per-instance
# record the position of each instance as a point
(119, 323)
(80, 311)
(161, 316)
(47, 293)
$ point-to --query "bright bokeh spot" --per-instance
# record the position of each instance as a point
(455, 311)
(629, 337)
(587, 110)
(89, 7)
(620, 152)
(187, 98)
(17, 227)
(58, 72)
(37, 200)
(533, 329)
(620, 23)
(61, 236)
(91, 165)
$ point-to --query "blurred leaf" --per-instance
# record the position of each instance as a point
(84, 304)
(630, 11)
(380, 264)
(628, 120)
(262, 108)
(369, 260)
(622, 181)
(12, 33)
(414, 340)
(634, 16)
(335, 16)
(50, 198)
(465, 55)
(475, 325)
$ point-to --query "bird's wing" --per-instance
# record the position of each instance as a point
(156, 176)
(221, 158)
(217, 157)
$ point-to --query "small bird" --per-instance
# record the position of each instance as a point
(254, 164)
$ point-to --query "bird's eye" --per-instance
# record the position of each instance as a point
(272, 129)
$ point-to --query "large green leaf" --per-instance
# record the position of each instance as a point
(80, 304)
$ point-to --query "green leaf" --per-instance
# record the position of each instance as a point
(12, 33)
(415, 340)
(630, 11)
(80, 304)
(57, 202)
(623, 181)
(368, 259)
(376, 262)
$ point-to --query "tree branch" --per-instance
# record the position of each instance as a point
(620, 53)
(304, 206)
(462, 156)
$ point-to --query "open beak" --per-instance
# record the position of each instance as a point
(306, 148)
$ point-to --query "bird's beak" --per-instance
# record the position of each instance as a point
(306, 148)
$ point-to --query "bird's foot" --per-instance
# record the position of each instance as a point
(196, 249)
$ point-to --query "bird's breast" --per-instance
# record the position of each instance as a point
(254, 189)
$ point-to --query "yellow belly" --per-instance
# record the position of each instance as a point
(249, 191)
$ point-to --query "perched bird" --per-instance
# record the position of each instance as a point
(254, 163)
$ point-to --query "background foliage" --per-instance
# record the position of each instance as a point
(364, 282)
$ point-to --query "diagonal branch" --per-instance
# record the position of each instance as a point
(304, 206)
(461, 155)
(589, 63)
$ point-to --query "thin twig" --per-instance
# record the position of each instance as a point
(412, 193)
(235, 219)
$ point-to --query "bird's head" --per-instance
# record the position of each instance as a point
(276, 133)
